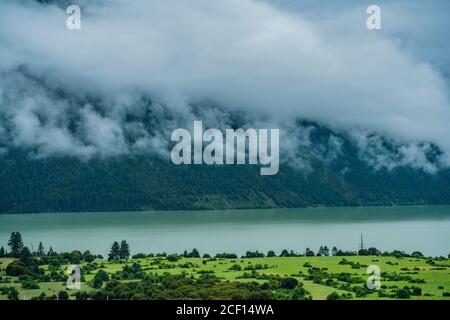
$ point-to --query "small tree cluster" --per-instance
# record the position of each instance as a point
(193, 254)
(118, 252)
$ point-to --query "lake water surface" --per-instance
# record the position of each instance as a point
(424, 228)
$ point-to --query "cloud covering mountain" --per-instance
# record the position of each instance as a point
(138, 69)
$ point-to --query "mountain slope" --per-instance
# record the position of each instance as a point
(149, 182)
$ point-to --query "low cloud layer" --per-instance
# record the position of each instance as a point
(138, 69)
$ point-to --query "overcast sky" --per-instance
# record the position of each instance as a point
(275, 60)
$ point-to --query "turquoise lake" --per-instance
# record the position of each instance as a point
(422, 228)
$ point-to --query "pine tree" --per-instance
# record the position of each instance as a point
(2, 252)
(50, 253)
(124, 251)
(15, 243)
(114, 254)
(40, 250)
(334, 251)
(25, 256)
(320, 252)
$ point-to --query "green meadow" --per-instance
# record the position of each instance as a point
(323, 277)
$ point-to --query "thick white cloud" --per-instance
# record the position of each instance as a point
(245, 55)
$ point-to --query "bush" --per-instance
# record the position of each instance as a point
(299, 293)
(13, 294)
(88, 256)
(256, 254)
(97, 283)
(416, 291)
(403, 294)
(173, 258)
(97, 295)
(15, 269)
(194, 254)
(333, 296)
(288, 283)
(81, 295)
(75, 257)
(42, 296)
(235, 267)
(30, 285)
(226, 256)
(417, 254)
(102, 275)
(63, 295)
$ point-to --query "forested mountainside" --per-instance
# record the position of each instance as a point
(58, 184)
(87, 113)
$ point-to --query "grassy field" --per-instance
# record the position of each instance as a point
(431, 276)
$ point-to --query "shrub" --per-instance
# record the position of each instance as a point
(102, 275)
(226, 255)
(97, 283)
(88, 256)
(284, 253)
(288, 283)
(15, 269)
(333, 296)
(139, 256)
(63, 295)
(30, 285)
(81, 295)
(75, 257)
(173, 258)
(235, 267)
(13, 294)
(299, 293)
(194, 254)
(256, 254)
(416, 291)
(403, 294)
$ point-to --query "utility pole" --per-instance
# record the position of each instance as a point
(361, 247)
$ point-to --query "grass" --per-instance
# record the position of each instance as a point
(433, 276)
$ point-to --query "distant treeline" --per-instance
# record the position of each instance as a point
(122, 251)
